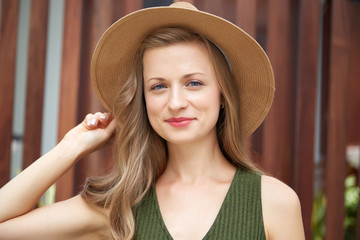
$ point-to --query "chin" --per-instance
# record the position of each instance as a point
(177, 140)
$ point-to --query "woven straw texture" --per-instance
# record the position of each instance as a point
(115, 54)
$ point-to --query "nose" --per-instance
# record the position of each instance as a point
(177, 99)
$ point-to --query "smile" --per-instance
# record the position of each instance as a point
(179, 122)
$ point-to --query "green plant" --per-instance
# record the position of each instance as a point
(318, 216)
(351, 206)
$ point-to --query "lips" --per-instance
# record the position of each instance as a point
(179, 122)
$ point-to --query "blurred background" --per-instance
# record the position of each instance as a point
(310, 139)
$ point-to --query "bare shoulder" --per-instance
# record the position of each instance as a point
(281, 210)
(275, 192)
(70, 219)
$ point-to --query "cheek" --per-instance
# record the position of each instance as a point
(149, 106)
(153, 108)
(209, 100)
(213, 105)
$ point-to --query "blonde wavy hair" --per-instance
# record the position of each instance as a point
(140, 154)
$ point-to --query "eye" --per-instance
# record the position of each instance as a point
(194, 84)
(158, 87)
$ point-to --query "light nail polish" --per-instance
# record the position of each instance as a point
(93, 122)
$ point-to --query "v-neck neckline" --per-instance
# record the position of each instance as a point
(217, 218)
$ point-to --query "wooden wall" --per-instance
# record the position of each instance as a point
(315, 55)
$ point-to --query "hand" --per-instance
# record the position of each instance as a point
(92, 133)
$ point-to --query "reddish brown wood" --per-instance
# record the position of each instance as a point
(132, 5)
(69, 89)
(8, 34)
(246, 16)
(121, 8)
(309, 39)
(225, 9)
(354, 76)
(98, 17)
(279, 125)
(35, 81)
(326, 42)
(262, 22)
(354, 86)
(337, 123)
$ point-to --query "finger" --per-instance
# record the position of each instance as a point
(91, 121)
(105, 119)
(86, 122)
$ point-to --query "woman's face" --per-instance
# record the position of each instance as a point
(181, 92)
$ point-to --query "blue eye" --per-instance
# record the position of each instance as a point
(194, 84)
(158, 87)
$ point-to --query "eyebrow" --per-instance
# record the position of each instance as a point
(184, 76)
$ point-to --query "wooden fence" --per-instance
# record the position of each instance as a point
(315, 52)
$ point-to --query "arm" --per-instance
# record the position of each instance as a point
(20, 195)
(281, 210)
(70, 219)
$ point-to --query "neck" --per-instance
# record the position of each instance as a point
(192, 161)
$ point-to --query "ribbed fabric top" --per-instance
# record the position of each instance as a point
(240, 215)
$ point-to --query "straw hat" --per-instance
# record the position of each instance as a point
(115, 54)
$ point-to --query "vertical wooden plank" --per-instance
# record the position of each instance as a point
(98, 16)
(309, 29)
(354, 76)
(337, 125)
(279, 125)
(326, 42)
(132, 5)
(69, 85)
(262, 22)
(354, 86)
(121, 8)
(246, 16)
(35, 81)
(225, 9)
(8, 35)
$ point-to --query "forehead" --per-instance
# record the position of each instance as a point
(185, 56)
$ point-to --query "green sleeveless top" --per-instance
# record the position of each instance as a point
(240, 216)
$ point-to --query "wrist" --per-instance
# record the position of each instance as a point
(70, 149)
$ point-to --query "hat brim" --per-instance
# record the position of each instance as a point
(115, 54)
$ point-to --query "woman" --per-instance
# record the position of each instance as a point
(184, 90)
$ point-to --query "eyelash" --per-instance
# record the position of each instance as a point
(192, 83)
(156, 87)
(198, 83)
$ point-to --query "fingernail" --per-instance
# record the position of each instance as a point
(103, 117)
(93, 122)
(88, 122)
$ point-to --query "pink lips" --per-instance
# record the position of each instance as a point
(179, 122)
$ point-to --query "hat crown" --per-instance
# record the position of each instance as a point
(185, 5)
